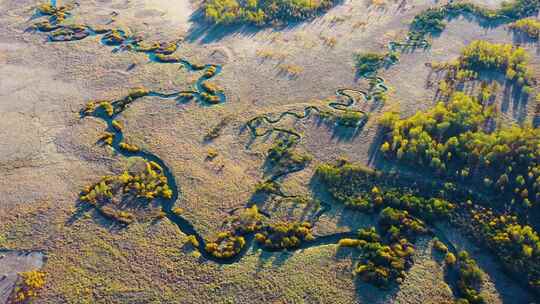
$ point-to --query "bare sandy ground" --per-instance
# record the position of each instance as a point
(48, 153)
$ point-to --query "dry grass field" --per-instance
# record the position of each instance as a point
(48, 153)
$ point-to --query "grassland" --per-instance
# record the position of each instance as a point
(243, 116)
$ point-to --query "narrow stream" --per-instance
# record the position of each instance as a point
(131, 44)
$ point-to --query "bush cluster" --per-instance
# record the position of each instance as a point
(106, 138)
(57, 14)
(129, 147)
(529, 26)
(248, 221)
(28, 286)
(227, 245)
(230, 242)
(284, 235)
(369, 63)
(114, 107)
(349, 118)
(92, 106)
(400, 224)
(263, 12)
(114, 37)
(469, 280)
(158, 48)
(380, 263)
(269, 187)
(111, 192)
(362, 188)
(282, 156)
(433, 20)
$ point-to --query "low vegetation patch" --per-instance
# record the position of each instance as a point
(470, 279)
(433, 20)
(117, 197)
(27, 287)
(370, 63)
(283, 157)
(284, 235)
(528, 26)
(263, 12)
(226, 245)
(380, 262)
(367, 190)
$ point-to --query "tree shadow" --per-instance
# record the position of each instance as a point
(536, 121)
(519, 38)
(87, 210)
(375, 157)
(344, 216)
(144, 211)
(482, 22)
(272, 258)
(341, 133)
(505, 283)
(81, 210)
(206, 32)
(368, 293)
(347, 133)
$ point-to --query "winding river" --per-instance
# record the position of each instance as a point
(126, 43)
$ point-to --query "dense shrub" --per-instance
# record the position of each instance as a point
(469, 279)
(529, 26)
(262, 12)
(364, 189)
(27, 287)
(517, 246)
(284, 235)
(284, 158)
(400, 224)
(226, 245)
(113, 194)
(380, 263)
(450, 140)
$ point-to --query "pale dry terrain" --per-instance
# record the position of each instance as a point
(48, 153)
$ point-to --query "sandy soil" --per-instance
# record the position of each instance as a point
(48, 153)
